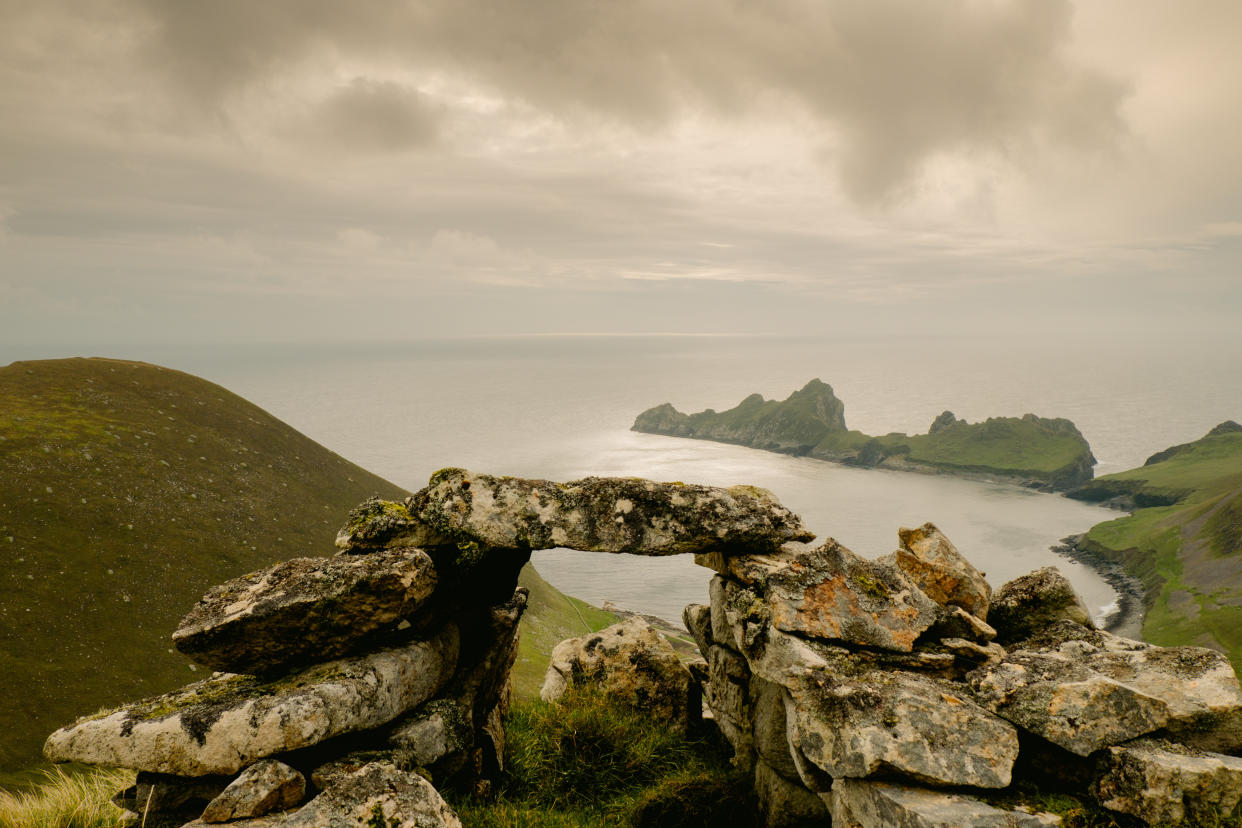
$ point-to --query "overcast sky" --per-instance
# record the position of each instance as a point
(312, 169)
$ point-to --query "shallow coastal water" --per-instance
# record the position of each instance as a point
(561, 407)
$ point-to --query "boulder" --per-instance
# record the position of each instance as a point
(1163, 783)
(1027, 604)
(305, 609)
(785, 803)
(1062, 700)
(262, 788)
(728, 686)
(222, 724)
(1198, 685)
(831, 593)
(631, 662)
(328, 773)
(595, 514)
(858, 803)
(769, 727)
(376, 794)
(855, 722)
(955, 622)
(940, 571)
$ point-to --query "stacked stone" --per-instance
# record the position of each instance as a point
(345, 688)
(878, 692)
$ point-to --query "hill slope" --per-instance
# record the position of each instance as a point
(1183, 540)
(1042, 453)
(125, 491)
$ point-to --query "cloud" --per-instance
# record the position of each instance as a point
(373, 116)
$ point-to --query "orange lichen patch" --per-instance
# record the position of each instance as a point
(835, 609)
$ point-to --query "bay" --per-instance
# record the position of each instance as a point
(560, 407)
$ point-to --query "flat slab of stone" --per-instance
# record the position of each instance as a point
(859, 803)
(1163, 783)
(831, 593)
(304, 609)
(1198, 685)
(264, 787)
(631, 663)
(1058, 697)
(944, 575)
(227, 722)
(856, 722)
(595, 514)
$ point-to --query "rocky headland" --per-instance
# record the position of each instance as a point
(1037, 452)
(898, 691)
(1182, 542)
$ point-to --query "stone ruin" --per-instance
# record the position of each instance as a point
(898, 691)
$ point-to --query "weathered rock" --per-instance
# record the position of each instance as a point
(1198, 685)
(786, 804)
(698, 621)
(831, 593)
(1163, 783)
(436, 729)
(956, 622)
(1065, 702)
(159, 793)
(728, 687)
(376, 794)
(596, 514)
(722, 633)
(940, 571)
(327, 774)
(629, 661)
(854, 722)
(1032, 602)
(769, 727)
(860, 803)
(262, 788)
(220, 725)
(974, 654)
(305, 609)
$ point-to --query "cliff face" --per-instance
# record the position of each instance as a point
(1038, 452)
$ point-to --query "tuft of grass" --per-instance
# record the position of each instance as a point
(66, 800)
(586, 762)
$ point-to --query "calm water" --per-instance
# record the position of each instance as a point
(561, 407)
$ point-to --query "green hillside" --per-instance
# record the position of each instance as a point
(1184, 539)
(1033, 451)
(125, 491)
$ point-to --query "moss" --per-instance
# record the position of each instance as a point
(871, 586)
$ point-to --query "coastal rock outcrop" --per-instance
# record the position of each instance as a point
(1038, 452)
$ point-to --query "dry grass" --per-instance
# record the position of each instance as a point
(67, 800)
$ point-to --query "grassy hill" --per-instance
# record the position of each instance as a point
(1034, 451)
(1183, 540)
(126, 490)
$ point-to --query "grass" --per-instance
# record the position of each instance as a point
(587, 761)
(551, 616)
(66, 800)
(1175, 548)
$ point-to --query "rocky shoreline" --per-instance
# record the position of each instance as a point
(1131, 609)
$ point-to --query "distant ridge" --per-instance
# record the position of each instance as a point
(126, 490)
(1038, 452)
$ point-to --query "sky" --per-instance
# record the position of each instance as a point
(297, 170)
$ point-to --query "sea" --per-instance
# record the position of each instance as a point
(560, 408)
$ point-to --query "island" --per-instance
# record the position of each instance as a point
(1036, 452)
(1182, 540)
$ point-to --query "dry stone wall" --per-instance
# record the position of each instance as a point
(897, 691)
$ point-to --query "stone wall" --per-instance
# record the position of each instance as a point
(898, 691)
